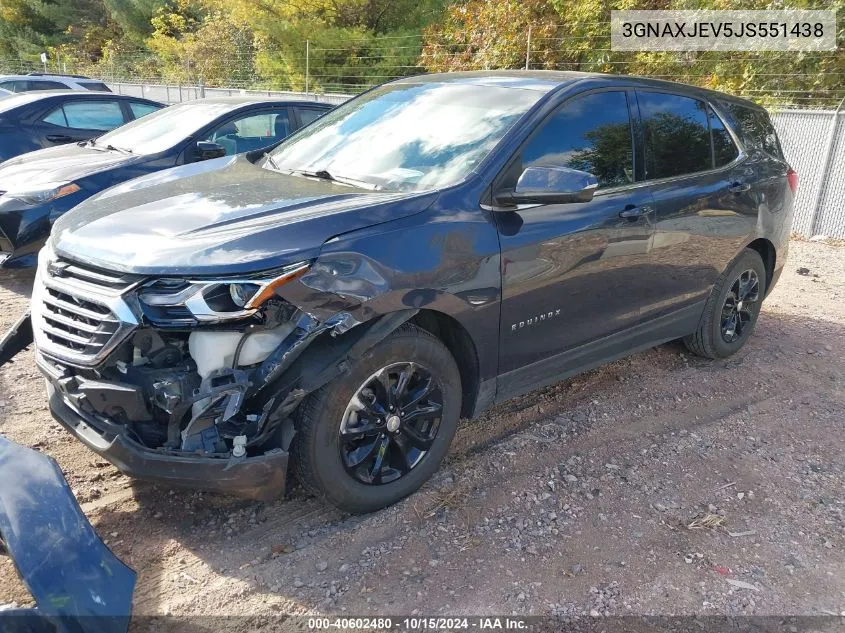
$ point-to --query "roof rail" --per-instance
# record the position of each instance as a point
(35, 74)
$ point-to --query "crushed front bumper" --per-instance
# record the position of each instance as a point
(260, 477)
(76, 581)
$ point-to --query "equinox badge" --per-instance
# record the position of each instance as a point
(535, 320)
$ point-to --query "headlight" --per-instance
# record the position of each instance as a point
(178, 301)
(44, 193)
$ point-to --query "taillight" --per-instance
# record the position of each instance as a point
(792, 180)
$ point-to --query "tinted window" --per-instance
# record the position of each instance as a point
(306, 115)
(94, 115)
(677, 134)
(252, 132)
(96, 86)
(407, 136)
(724, 149)
(142, 109)
(56, 117)
(756, 130)
(40, 84)
(590, 133)
(18, 85)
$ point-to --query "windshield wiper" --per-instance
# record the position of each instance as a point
(271, 160)
(324, 174)
(92, 143)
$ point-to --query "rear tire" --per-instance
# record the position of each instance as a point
(338, 422)
(732, 308)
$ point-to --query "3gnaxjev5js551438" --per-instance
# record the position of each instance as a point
(431, 247)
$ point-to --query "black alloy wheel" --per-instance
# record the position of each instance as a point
(390, 423)
(738, 311)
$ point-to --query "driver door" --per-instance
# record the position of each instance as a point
(573, 274)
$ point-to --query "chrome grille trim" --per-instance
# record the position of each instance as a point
(79, 316)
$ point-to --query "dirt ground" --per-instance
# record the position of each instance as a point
(659, 484)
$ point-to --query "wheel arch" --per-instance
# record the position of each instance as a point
(461, 345)
(768, 254)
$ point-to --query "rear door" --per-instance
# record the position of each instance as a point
(703, 212)
(79, 120)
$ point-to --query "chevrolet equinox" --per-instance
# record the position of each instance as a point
(430, 248)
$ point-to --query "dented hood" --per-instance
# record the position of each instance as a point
(224, 216)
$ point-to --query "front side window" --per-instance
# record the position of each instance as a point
(590, 133)
(56, 117)
(142, 109)
(407, 136)
(94, 115)
(677, 134)
(307, 115)
(252, 132)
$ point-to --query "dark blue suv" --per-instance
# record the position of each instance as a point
(432, 247)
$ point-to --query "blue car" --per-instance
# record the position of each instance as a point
(37, 188)
(47, 118)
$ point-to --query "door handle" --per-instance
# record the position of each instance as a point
(739, 187)
(632, 211)
(59, 138)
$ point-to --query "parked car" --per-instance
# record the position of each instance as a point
(46, 81)
(36, 120)
(432, 247)
(41, 186)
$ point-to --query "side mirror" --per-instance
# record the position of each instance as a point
(549, 185)
(206, 150)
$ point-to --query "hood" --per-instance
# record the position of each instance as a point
(223, 216)
(64, 163)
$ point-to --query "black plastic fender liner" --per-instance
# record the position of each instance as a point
(76, 581)
(325, 358)
(16, 339)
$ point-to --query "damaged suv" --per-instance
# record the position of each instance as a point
(432, 247)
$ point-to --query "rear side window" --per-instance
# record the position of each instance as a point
(96, 86)
(41, 84)
(590, 133)
(724, 148)
(56, 117)
(18, 85)
(756, 130)
(93, 115)
(142, 109)
(677, 134)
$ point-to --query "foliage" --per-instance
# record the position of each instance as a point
(354, 44)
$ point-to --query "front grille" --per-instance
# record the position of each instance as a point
(78, 313)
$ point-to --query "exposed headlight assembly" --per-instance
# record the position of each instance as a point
(44, 193)
(213, 300)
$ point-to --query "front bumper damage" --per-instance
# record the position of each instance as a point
(75, 580)
(149, 400)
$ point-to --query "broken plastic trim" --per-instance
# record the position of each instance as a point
(17, 339)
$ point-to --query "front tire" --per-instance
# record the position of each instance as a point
(732, 309)
(377, 433)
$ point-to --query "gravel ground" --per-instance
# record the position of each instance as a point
(659, 484)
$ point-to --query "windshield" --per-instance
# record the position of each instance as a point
(406, 137)
(165, 128)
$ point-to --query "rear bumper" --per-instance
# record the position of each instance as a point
(74, 578)
(261, 477)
